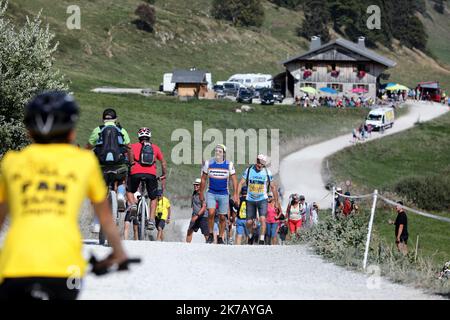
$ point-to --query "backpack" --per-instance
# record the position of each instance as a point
(109, 148)
(267, 173)
(347, 207)
(147, 155)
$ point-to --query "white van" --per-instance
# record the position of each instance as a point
(381, 118)
(255, 80)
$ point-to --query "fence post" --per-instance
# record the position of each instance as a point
(369, 232)
(333, 204)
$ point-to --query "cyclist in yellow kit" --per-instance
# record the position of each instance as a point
(42, 188)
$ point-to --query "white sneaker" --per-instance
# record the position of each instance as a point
(95, 228)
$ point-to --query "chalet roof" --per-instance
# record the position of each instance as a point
(188, 76)
(354, 47)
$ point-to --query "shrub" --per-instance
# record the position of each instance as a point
(147, 17)
(26, 68)
(430, 192)
(240, 12)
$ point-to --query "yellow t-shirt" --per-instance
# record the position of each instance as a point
(44, 187)
(163, 207)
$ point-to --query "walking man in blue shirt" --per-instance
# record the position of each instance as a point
(218, 171)
(259, 181)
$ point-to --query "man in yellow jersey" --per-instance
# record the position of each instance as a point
(42, 188)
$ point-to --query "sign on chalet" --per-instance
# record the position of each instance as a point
(339, 64)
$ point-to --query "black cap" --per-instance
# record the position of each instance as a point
(51, 114)
(109, 114)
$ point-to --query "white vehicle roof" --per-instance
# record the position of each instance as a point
(380, 110)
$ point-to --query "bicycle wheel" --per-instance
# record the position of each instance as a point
(143, 216)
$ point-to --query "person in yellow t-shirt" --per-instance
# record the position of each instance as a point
(162, 214)
(42, 188)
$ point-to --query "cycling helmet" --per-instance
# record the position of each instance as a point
(51, 114)
(109, 114)
(144, 133)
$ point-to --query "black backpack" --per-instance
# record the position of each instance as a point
(147, 156)
(109, 149)
(267, 173)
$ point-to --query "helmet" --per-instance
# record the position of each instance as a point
(244, 190)
(109, 114)
(51, 114)
(144, 133)
(223, 147)
(197, 181)
(262, 158)
(159, 193)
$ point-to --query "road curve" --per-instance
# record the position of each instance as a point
(300, 172)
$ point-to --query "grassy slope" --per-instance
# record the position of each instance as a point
(421, 151)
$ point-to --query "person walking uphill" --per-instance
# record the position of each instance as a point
(199, 219)
(42, 188)
(259, 181)
(401, 229)
(218, 171)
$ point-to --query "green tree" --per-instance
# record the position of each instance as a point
(239, 12)
(317, 18)
(290, 4)
(26, 68)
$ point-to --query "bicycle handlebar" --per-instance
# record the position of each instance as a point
(102, 267)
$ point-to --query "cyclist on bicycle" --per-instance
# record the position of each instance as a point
(42, 252)
(219, 172)
(145, 154)
(111, 145)
(163, 213)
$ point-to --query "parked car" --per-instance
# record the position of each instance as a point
(231, 88)
(278, 96)
(245, 95)
(256, 92)
(219, 90)
(267, 97)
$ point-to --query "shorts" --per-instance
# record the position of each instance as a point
(222, 199)
(241, 227)
(201, 223)
(160, 223)
(294, 225)
(253, 206)
(271, 229)
(129, 218)
(151, 183)
(116, 173)
(37, 288)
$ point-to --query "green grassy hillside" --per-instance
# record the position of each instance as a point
(109, 50)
